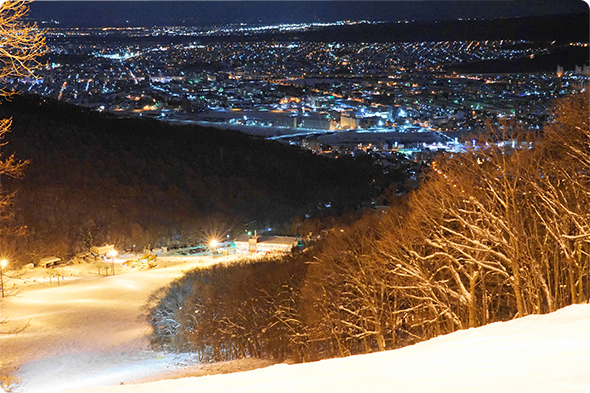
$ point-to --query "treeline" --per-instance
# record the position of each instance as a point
(248, 309)
(499, 232)
(135, 181)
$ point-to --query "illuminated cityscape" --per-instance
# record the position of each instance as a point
(298, 90)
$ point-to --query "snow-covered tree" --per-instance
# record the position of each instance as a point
(498, 232)
(21, 45)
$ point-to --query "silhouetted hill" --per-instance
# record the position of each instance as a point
(134, 181)
(567, 56)
(562, 28)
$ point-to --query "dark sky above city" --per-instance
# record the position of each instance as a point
(149, 13)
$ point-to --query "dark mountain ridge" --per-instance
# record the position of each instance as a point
(134, 181)
(561, 28)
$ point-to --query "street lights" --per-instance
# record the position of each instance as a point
(113, 254)
(213, 243)
(3, 263)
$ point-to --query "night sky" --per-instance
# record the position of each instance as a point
(150, 13)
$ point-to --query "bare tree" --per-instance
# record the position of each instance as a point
(562, 200)
(21, 45)
(347, 301)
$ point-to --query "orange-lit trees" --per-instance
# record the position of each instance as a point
(21, 45)
(497, 232)
(349, 301)
(562, 202)
(500, 231)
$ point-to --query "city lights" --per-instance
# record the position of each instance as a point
(305, 86)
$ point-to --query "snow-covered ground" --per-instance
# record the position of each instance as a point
(86, 336)
(549, 353)
(87, 331)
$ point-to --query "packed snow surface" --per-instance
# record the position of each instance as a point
(89, 329)
(549, 353)
(86, 336)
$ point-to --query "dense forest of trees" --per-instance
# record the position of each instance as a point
(492, 234)
(233, 311)
(134, 181)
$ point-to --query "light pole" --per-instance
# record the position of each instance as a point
(3, 263)
(113, 254)
(213, 243)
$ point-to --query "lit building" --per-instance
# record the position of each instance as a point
(103, 250)
(349, 121)
(265, 244)
(559, 71)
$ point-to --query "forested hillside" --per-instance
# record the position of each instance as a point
(494, 233)
(133, 181)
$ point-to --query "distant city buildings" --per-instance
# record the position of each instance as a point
(333, 98)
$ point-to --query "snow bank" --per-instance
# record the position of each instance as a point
(548, 353)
